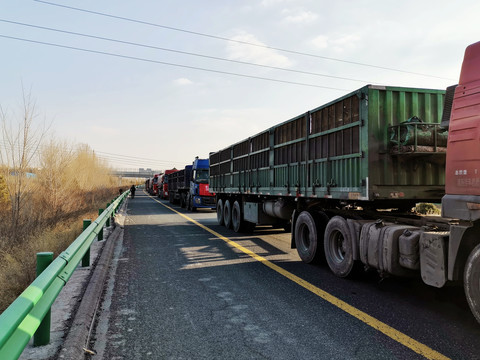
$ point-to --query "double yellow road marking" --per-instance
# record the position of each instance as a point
(394, 334)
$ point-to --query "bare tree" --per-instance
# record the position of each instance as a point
(20, 142)
(54, 160)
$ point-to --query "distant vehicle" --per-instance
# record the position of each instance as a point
(147, 185)
(163, 184)
(190, 188)
(155, 184)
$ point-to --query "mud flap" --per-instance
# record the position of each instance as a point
(292, 232)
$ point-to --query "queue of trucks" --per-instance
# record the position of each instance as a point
(344, 177)
(187, 187)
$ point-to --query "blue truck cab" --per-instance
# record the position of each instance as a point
(199, 195)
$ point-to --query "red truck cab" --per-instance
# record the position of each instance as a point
(163, 184)
(462, 177)
(155, 184)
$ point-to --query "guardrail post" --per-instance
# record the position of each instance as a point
(86, 257)
(108, 218)
(100, 233)
(42, 335)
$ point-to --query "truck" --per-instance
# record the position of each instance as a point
(147, 185)
(179, 185)
(190, 187)
(344, 177)
(151, 184)
(155, 184)
(162, 192)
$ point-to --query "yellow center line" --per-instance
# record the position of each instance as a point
(392, 333)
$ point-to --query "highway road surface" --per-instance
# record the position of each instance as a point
(182, 287)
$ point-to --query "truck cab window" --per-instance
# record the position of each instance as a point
(201, 176)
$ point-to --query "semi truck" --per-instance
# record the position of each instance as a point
(345, 176)
(163, 184)
(151, 184)
(190, 187)
(155, 184)
(147, 185)
(179, 185)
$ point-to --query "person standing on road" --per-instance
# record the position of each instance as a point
(132, 191)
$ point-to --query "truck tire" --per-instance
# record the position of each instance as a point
(227, 214)
(338, 247)
(306, 238)
(471, 281)
(236, 217)
(191, 207)
(238, 224)
(220, 212)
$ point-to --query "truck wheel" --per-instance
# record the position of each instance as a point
(338, 247)
(220, 212)
(237, 221)
(471, 281)
(227, 214)
(190, 205)
(306, 238)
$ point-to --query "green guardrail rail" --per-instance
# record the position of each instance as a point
(20, 321)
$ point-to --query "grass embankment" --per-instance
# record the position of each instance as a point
(18, 262)
(44, 211)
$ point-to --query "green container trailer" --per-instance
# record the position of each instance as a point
(381, 146)
(345, 175)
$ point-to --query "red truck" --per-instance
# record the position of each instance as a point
(163, 184)
(155, 181)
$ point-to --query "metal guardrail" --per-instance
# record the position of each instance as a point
(20, 321)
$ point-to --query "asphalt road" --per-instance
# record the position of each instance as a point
(178, 291)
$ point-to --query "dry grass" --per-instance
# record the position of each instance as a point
(17, 263)
(45, 212)
(428, 209)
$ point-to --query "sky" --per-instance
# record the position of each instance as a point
(153, 84)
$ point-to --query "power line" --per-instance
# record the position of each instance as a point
(134, 157)
(170, 64)
(239, 41)
(136, 163)
(181, 52)
(109, 157)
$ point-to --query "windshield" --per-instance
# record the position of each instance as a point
(201, 176)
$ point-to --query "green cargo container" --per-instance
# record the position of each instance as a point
(378, 143)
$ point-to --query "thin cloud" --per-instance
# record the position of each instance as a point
(338, 44)
(182, 82)
(258, 55)
(299, 17)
